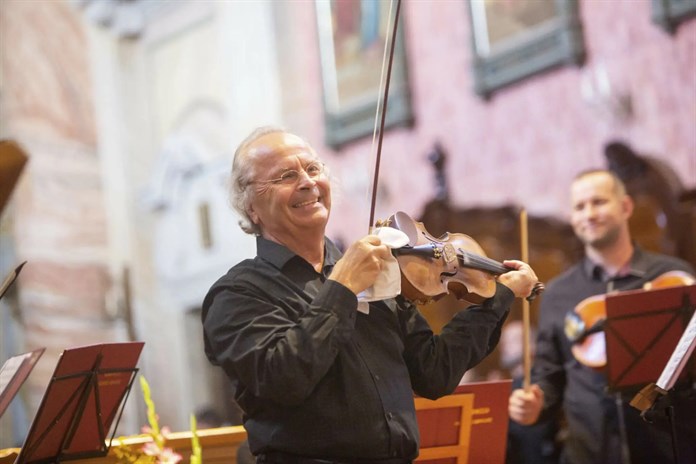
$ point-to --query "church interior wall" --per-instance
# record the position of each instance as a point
(498, 146)
(99, 114)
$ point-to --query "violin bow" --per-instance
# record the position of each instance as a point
(526, 347)
(383, 105)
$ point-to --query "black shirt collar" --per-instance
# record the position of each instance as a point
(279, 255)
(637, 267)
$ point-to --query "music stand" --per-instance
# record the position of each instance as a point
(642, 330)
(9, 279)
(87, 392)
(468, 426)
(13, 374)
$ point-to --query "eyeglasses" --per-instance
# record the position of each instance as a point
(291, 176)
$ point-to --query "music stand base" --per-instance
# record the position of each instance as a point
(674, 412)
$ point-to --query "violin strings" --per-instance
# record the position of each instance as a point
(481, 262)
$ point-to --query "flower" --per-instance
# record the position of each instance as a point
(155, 451)
(156, 448)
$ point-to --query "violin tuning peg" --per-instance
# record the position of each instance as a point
(538, 288)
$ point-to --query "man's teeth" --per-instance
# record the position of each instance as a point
(299, 205)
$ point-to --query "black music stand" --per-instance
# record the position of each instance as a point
(86, 394)
(642, 330)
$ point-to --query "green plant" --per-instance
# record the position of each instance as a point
(196, 453)
(155, 451)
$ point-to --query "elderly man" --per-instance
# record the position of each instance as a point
(318, 380)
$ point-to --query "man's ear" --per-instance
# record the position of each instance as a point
(252, 214)
(627, 205)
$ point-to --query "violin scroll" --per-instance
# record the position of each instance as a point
(538, 289)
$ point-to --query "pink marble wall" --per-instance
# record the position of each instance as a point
(58, 211)
(524, 145)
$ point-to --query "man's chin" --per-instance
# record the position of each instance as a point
(600, 243)
(315, 219)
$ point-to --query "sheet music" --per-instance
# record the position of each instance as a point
(679, 357)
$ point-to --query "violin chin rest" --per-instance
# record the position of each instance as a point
(405, 224)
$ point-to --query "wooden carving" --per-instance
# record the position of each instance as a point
(664, 219)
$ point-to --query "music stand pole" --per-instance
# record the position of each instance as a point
(90, 384)
(79, 392)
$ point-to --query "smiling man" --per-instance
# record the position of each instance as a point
(601, 428)
(318, 380)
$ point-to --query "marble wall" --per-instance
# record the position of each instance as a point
(57, 213)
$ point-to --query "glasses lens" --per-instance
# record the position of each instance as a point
(314, 169)
(291, 176)
(288, 177)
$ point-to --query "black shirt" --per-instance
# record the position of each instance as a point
(592, 414)
(317, 378)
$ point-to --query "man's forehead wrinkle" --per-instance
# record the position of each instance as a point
(255, 155)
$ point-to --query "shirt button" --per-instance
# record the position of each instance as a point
(376, 377)
(389, 416)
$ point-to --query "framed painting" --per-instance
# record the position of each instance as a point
(513, 40)
(352, 36)
(669, 13)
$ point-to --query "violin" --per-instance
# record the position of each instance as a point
(453, 263)
(584, 326)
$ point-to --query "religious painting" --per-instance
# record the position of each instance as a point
(669, 13)
(352, 37)
(515, 39)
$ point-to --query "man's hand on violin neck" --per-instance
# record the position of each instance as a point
(520, 280)
(361, 264)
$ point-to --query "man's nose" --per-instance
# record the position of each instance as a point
(305, 179)
(589, 211)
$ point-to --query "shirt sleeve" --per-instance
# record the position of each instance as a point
(437, 363)
(275, 356)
